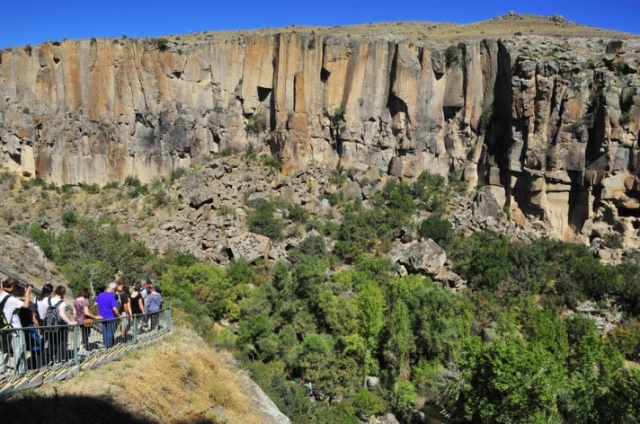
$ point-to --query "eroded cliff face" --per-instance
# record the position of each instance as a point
(551, 125)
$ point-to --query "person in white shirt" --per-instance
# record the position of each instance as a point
(42, 302)
(14, 338)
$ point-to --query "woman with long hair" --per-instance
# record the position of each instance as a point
(60, 335)
(137, 304)
(42, 302)
(83, 315)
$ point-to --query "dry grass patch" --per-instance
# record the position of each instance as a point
(500, 27)
(180, 379)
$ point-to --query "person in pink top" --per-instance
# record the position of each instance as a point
(81, 312)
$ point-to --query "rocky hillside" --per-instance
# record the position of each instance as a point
(549, 121)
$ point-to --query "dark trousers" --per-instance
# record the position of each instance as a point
(108, 331)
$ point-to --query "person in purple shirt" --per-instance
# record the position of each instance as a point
(108, 309)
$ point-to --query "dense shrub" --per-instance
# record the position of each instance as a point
(438, 229)
(261, 219)
(257, 123)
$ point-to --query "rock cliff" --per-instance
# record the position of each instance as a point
(550, 124)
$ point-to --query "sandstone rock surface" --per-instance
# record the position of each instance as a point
(550, 124)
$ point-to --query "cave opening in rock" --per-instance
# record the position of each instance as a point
(450, 112)
(324, 75)
(396, 104)
(263, 94)
(628, 213)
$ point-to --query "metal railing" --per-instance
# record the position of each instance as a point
(34, 351)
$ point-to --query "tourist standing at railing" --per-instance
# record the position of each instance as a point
(124, 307)
(14, 340)
(29, 322)
(42, 302)
(61, 335)
(153, 304)
(108, 309)
(137, 304)
(83, 315)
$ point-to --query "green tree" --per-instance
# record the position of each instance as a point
(593, 367)
(400, 337)
(88, 244)
(438, 229)
(261, 219)
(482, 259)
(44, 239)
(371, 308)
(431, 192)
(508, 380)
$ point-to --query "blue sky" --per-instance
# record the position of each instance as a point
(36, 21)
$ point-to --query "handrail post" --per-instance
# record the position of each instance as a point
(135, 328)
(75, 345)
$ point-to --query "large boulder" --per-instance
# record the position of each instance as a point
(249, 246)
(485, 208)
(424, 257)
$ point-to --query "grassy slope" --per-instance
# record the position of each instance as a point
(180, 379)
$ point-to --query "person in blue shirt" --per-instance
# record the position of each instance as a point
(108, 309)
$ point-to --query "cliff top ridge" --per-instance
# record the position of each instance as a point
(508, 25)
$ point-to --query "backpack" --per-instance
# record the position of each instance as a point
(4, 323)
(52, 316)
(119, 300)
(122, 297)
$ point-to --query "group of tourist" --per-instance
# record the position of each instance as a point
(114, 306)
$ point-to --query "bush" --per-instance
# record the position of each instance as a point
(452, 55)
(162, 44)
(91, 188)
(36, 182)
(177, 174)
(367, 404)
(485, 118)
(338, 176)
(111, 185)
(311, 246)
(69, 218)
(613, 240)
(44, 239)
(404, 396)
(261, 220)
(431, 192)
(257, 122)
(135, 187)
(625, 118)
(626, 338)
(438, 229)
(297, 213)
(271, 161)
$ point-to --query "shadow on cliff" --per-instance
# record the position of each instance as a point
(73, 409)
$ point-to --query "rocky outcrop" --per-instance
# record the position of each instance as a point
(249, 246)
(425, 257)
(550, 125)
